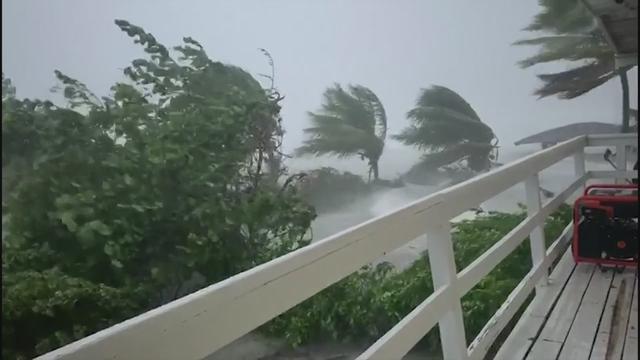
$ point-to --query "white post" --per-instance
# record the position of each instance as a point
(538, 247)
(621, 161)
(443, 270)
(579, 165)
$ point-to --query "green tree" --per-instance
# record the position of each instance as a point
(350, 122)
(448, 128)
(573, 35)
(135, 199)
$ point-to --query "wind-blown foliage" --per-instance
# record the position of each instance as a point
(574, 36)
(561, 16)
(365, 305)
(591, 49)
(350, 122)
(448, 128)
(129, 201)
(327, 189)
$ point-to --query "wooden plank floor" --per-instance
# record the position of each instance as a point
(584, 313)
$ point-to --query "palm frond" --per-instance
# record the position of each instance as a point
(561, 17)
(474, 153)
(419, 136)
(347, 107)
(445, 125)
(374, 107)
(566, 47)
(438, 135)
(324, 120)
(342, 143)
(555, 40)
(349, 123)
(440, 96)
(451, 118)
(575, 37)
(578, 81)
(442, 117)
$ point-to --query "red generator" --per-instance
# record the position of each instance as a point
(605, 221)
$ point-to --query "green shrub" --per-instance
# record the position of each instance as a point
(363, 306)
(328, 189)
(115, 203)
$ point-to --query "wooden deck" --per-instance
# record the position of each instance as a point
(583, 313)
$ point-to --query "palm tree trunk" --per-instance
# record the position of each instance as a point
(374, 168)
(625, 101)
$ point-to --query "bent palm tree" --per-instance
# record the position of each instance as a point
(574, 36)
(445, 125)
(349, 123)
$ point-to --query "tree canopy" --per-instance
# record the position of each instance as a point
(596, 63)
(562, 17)
(350, 122)
(573, 35)
(125, 202)
(447, 127)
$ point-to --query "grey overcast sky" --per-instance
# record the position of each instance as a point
(394, 47)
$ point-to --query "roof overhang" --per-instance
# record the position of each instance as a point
(566, 132)
(619, 21)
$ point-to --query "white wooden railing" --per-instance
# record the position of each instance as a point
(200, 323)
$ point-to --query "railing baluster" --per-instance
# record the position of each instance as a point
(443, 270)
(538, 251)
(621, 161)
(579, 166)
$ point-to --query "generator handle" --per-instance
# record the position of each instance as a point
(609, 186)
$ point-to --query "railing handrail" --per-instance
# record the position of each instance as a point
(612, 139)
(231, 308)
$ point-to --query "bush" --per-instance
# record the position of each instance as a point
(328, 189)
(116, 204)
(363, 306)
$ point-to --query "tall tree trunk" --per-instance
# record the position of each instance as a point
(374, 169)
(625, 101)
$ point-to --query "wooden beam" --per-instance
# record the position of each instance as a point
(538, 250)
(523, 335)
(443, 270)
(605, 339)
(631, 340)
(549, 343)
(583, 331)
